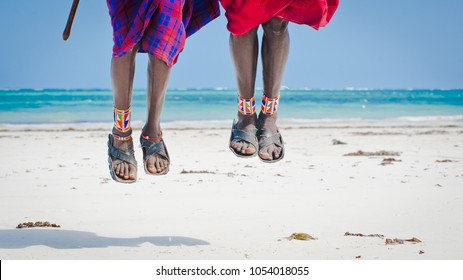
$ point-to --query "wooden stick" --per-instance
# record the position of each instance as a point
(67, 30)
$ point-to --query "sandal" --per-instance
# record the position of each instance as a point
(242, 135)
(116, 156)
(154, 146)
(270, 138)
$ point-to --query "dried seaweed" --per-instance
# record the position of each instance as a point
(396, 241)
(364, 235)
(196, 172)
(377, 153)
(389, 161)
(338, 142)
(37, 224)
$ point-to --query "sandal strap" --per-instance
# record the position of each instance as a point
(243, 135)
(127, 155)
(270, 138)
(154, 148)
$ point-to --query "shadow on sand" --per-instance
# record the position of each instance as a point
(69, 239)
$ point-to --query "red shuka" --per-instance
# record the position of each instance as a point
(244, 15)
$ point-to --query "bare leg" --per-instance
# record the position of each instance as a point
(275, 50)
(158, 77)
(244, 51)
(122, 73)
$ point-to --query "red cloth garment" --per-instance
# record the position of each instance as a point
(161, 26)
(244, 15)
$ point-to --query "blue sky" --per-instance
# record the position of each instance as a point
(368, 44)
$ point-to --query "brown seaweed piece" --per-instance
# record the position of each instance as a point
(396, 241)
(364, 235)
(369, 154)
(389, 161)
(37, 224)
(338, 142)
(445, 160)
(197, 172)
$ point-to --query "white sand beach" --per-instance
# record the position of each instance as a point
(213, 205)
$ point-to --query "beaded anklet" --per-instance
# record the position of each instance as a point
(121, 138)
(269, 105)
(122, 119)
(246, 107)
(152, 139)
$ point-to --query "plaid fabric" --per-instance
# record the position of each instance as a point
(244, 15)
(161, 26)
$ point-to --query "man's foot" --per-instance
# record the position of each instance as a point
(122, 157)
(248, 125)
(155, 155)
(267, 131)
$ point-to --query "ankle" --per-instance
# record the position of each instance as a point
(265, 120)
(152, 132)
(246, 119)
(119, 133)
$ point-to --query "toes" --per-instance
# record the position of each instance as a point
(118, 169)
(236, 146)
(243, 147)
(250, 149)
(121, 170)
(165, 164)
(264, 154)
(276, 153)
(126, 171)
(271, 152)
(158, 165)
(132, 172)
(150, 165)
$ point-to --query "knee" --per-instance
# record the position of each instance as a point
(275, 27)
(250, 34)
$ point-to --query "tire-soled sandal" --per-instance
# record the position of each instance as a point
(242, 135)
(116, 156)
(154, 146)
(270, 138)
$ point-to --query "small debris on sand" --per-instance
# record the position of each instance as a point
(338, 142)
(396, 241)
(364, 235)
(445, 160)
(421, 252)
(389, 161)
(358, 257)
(377, 153)
(37, 224)
(196, 172)
(300, 236)
(433, 132)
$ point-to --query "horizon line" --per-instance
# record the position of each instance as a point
(283, 88)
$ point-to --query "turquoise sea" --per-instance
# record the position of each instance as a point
(26, 106)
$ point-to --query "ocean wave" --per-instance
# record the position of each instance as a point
(284, 123)
(430, 118)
